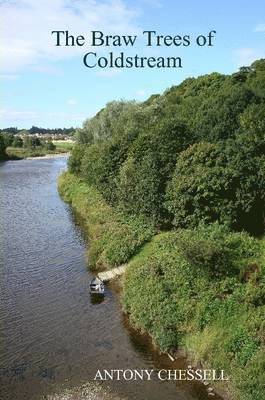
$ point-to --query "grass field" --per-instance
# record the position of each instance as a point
(62, 144)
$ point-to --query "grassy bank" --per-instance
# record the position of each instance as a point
(114, 238)
(201, 290)
(15, 153)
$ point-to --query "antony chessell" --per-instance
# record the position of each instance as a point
(189, 374)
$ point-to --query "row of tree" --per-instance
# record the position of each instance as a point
(28, 142)
(38, 130)
(194, 154)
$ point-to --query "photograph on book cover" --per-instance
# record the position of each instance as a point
(132, 200)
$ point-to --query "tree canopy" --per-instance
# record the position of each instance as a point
(193, 154)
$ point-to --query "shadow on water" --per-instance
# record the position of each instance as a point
(96, 298)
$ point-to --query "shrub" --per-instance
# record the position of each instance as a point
(216, 249)
(17, 142)
(49, 145)
(75, 159)
(224, 182)
(168, 293)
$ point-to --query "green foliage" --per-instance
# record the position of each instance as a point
(242, 346)
(252, 121)
(17, 142)
(74, 161)
(98, 168)
(220, 252)
(218, 116)
(130, 151)
(8, 138)
(138, 190)
(249, 381)
(2, 148)
(109, 121)
(114, 237)
(31, 141)
(49, 145)
(170, 292)
(142, 178)
(120, 241)
(194, 158)
(17, 153)
(256, 78)
(224, 182)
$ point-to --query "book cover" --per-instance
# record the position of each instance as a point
(132, 205)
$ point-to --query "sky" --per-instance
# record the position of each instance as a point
(49, 86)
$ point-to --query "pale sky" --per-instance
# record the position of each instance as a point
(48, 86)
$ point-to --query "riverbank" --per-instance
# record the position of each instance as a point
(114, 238)
(23, 153)
(176, 289)
(88, 391)
(55, 155)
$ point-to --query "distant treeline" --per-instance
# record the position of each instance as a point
(194, 154)
(38, 130)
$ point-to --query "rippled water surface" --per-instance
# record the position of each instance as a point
(52, 336)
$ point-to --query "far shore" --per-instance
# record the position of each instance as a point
(48, 156)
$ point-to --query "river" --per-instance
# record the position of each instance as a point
(53, 336)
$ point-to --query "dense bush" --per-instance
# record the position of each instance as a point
(138, 188)
(98, 168)
(172, 294)
(17, 142)
(220, 182)
(252, 121)
(49, 145)
(74, 162)
(142, 178)
(218, 116)
(8, 138)
(220, 252)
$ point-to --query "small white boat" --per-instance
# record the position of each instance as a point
(97, 286)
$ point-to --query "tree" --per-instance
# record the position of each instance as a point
(218, 116)
(224, 182)
(31, 141)
(252, 120)
(17, 142)
(49, 145)
(143, 177)
(138, 188)
(100, 165)
(8, 138)
(75, 159)
(107, 122)
(256, 79)
(2, 148)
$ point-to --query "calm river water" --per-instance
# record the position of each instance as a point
(52, 337)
